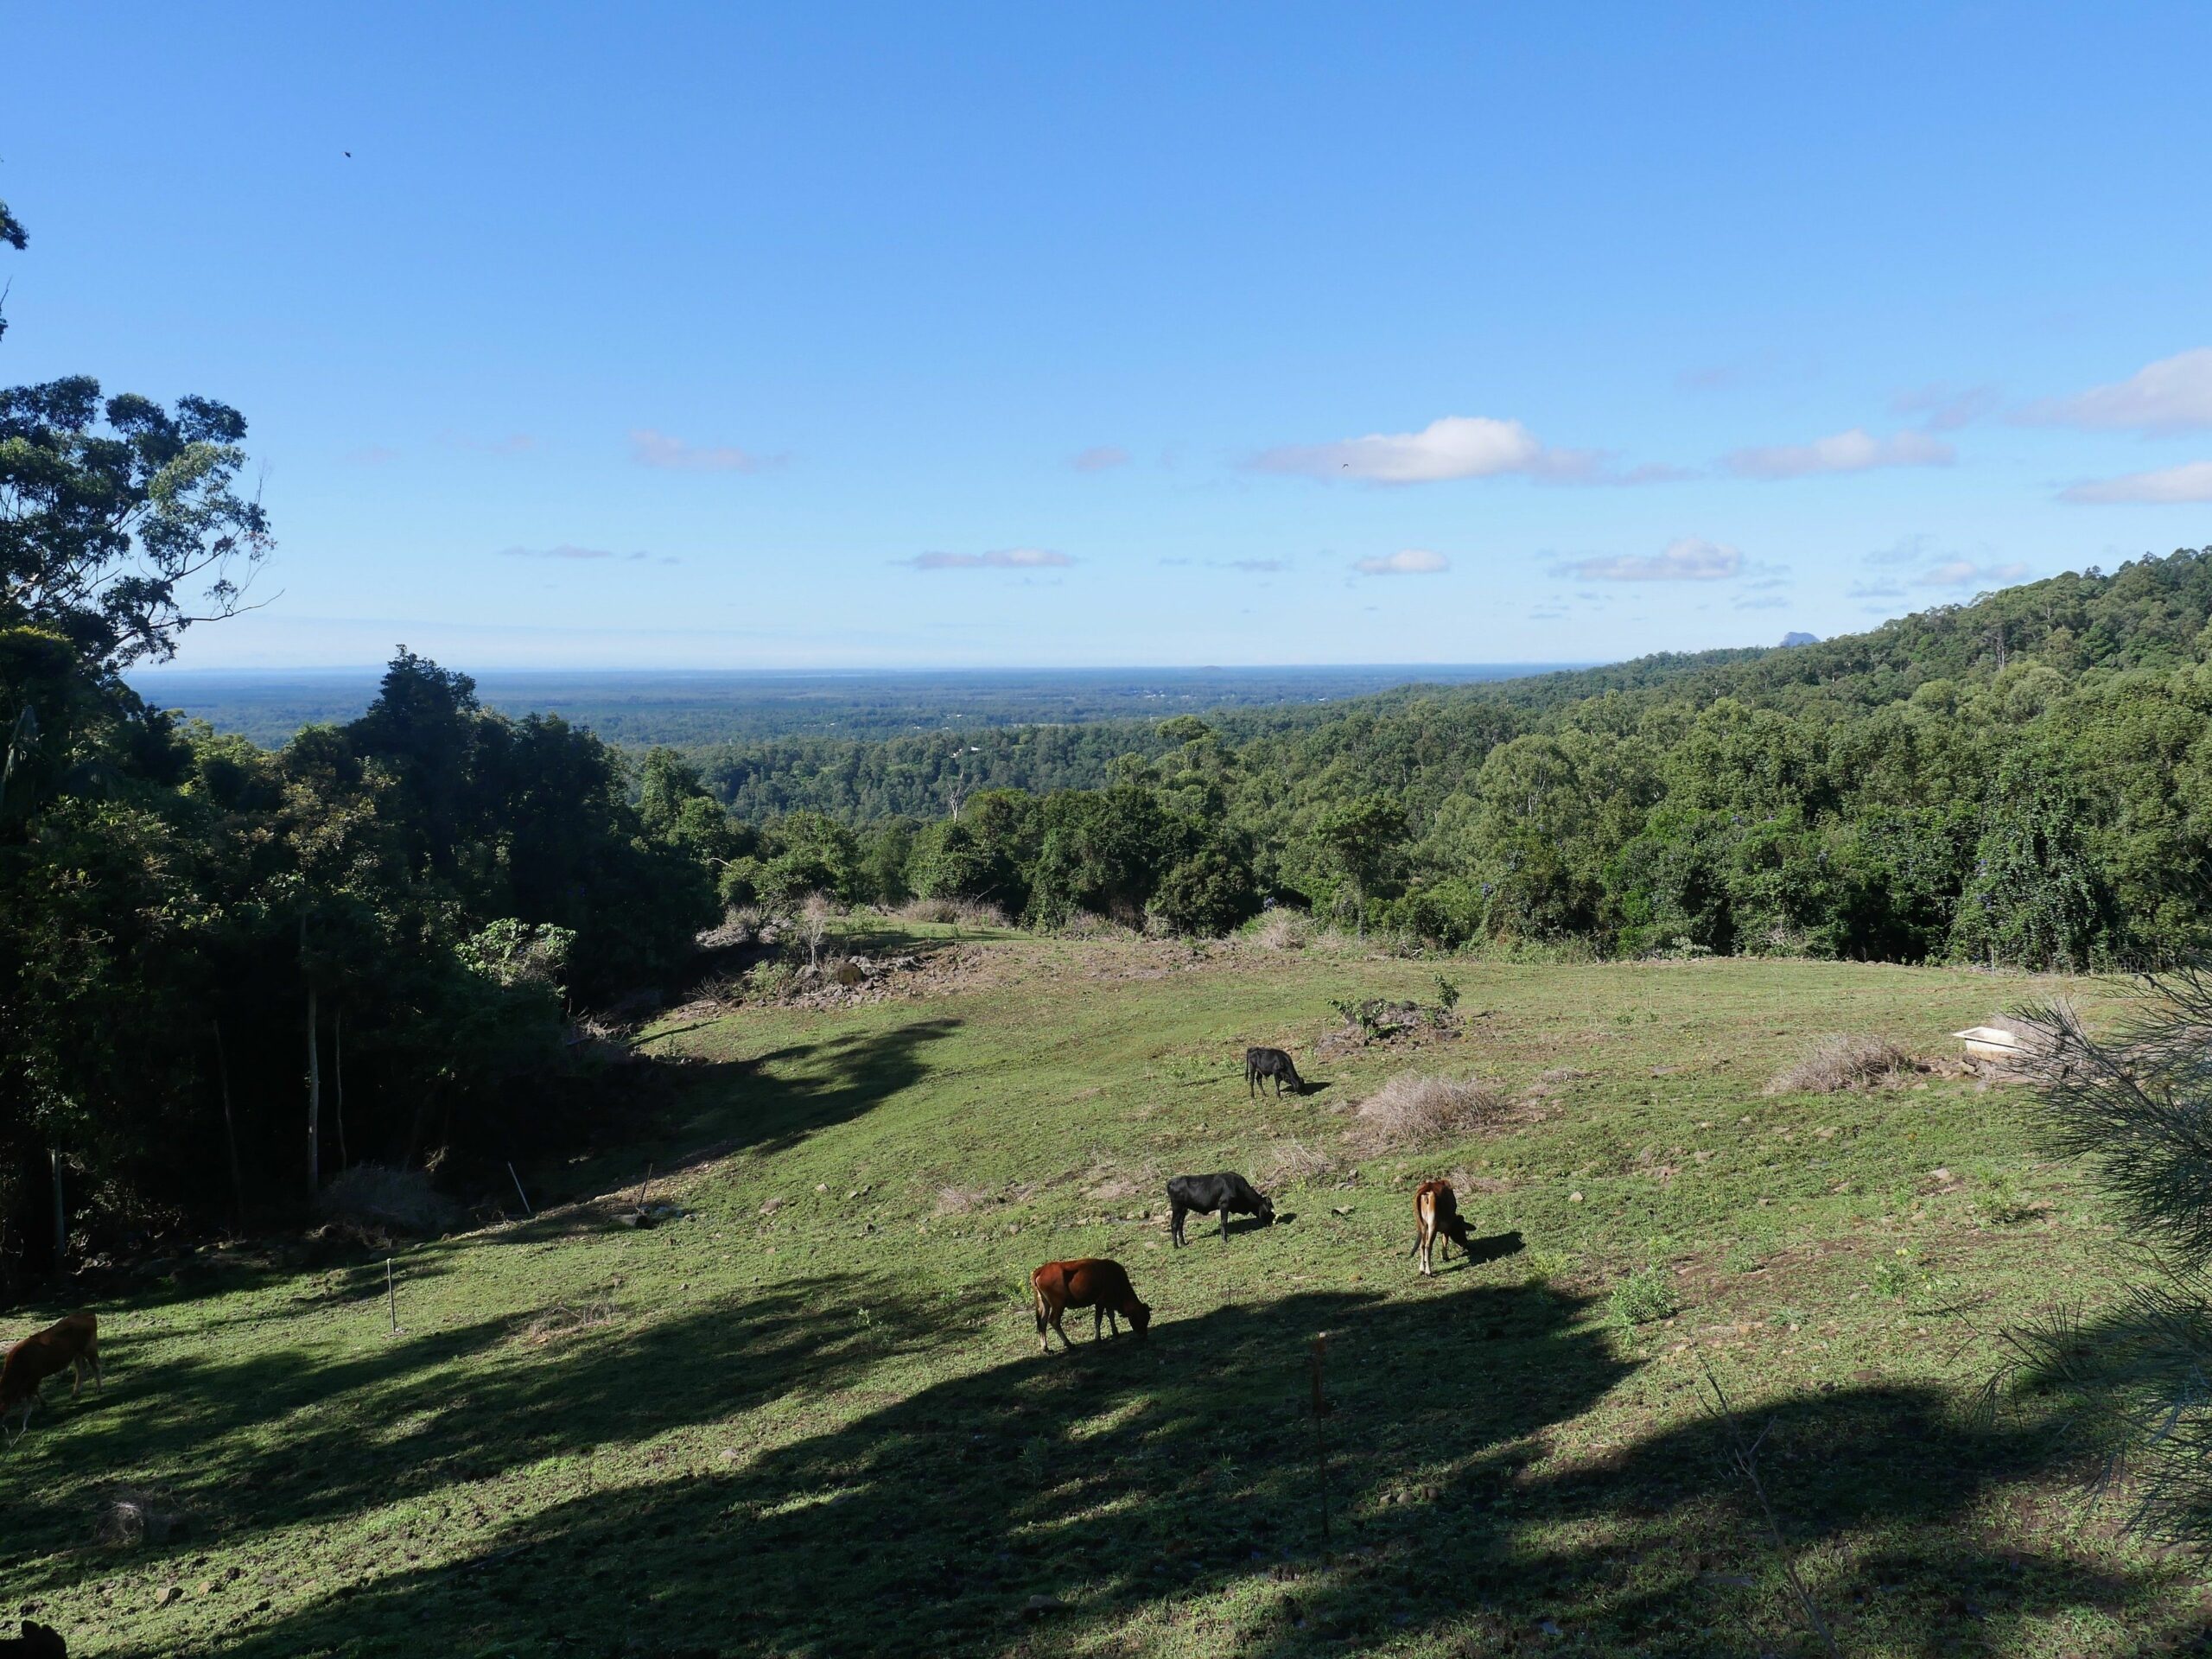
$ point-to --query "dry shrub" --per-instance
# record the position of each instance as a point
(130, 1515)
(2048, 1035)
(401, 1200)
(959, 1200)
(1840, 1062)
(1282, 930)
(565, 1319)
(1292, 1163)
(1410, 1110)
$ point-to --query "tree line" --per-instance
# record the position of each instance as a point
(2026, 781)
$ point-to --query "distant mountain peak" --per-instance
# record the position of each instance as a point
(1794, 638)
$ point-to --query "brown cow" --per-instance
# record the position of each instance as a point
(72, 1345)
(1101, 1286)
(1436, 1210)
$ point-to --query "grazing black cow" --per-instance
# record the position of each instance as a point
(1270, 1063)
(1227, 1192)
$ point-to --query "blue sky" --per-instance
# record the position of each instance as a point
(1026, 336)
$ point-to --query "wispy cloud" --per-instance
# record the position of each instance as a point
(1003, 558)
(2173, 395)
(1100, 458)
(515, 444)
(1688, 559)
(1875, 590)
(651, 448)
(1407, 562)
(1856, 451)
(1458, 446)
(563, 551)
(2192, 481)
(1947, 407)
(1771, 603)
(1965, 573)
(373, 454)
(1906, 550)
(1257, 567)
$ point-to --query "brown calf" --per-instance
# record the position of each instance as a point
(1101, 1286)
(1436, 1210)
(72, 1345)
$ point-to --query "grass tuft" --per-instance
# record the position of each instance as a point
(373, 1196)
(1414, 1111)
(1842, 1062)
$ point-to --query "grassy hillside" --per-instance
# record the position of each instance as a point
(804, 1421)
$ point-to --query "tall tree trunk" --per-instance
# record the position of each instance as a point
(315, 1076)
(338, 1068)
(60, 1214)
(230, 1130)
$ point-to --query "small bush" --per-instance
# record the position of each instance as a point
(767, 982)
(1903, 1274)
(1643, 1297)
(1409, 1112)
(1841, 1062)
(1745, 1255)
(398, 1200)
(1999, 1203)
(962, 913)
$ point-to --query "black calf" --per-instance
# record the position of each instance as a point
(1207, 1193)
(1270, 1063)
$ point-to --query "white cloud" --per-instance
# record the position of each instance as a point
(651, 448)
(1409, 562)
(1689, 559)
(2173, 395)
(1856, 451)
(1965, 573)
(2192, 481)
(1001, 558)
(1100, 457)
(1458, 446)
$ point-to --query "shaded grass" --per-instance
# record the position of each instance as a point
(804, 1422)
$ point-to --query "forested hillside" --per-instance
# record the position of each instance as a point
(2021, 779)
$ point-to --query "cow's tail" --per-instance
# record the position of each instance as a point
(1036, 1305)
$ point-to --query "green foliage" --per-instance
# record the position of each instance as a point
(1643, 1297)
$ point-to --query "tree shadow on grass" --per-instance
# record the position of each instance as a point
(763, 1105)
(293, 1436)
(1166, 1493)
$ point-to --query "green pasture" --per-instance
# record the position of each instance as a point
(810, 1416)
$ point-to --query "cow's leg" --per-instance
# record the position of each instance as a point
(1062, 1329)
(1224, 1223)
(1175, 1228)
(76, 1377)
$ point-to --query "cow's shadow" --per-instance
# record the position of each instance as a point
(1492, 1247)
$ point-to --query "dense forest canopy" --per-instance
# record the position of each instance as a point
(2021, 779)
